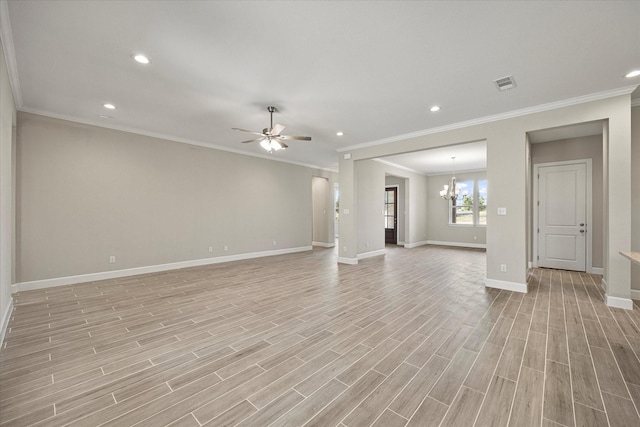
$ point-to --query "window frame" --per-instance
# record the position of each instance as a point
(475, 206)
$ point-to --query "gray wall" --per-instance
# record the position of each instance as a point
(438, 212)
(322, 196)
(370, 206)
(86, 193)
(635, 194)
(589, 147)
(7, 122)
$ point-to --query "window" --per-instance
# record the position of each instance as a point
(470, 207)
(462, 207)
(482, 202)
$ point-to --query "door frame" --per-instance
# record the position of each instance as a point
(589, 201)
(396, 189)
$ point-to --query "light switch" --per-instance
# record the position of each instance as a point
(502, 211)
(345, 211)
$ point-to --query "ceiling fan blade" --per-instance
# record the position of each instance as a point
(252, 140)
(299, 138)
(277, 128)
(248, 131)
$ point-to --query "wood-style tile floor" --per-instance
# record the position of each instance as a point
(409, 339)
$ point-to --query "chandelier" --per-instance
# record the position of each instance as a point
(450, 192)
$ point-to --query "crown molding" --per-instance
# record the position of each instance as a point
(166, 137)
(6, 38)
(497, 117)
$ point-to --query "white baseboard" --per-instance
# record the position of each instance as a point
(635, 294)
(597, 270)
(4, 320)
(530, 265)
(415, 244)
(507, 286)
(458, 244)
(323, 244)
(372, 254)
(91, 277)
(351, 261)
(617, 302)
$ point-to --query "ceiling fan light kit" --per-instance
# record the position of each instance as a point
(270, 138)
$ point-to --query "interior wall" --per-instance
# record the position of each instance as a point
(370, 208)
(390, 180)
(322, 223)
(87, 193)
(589, 147)
(7, 124)
(439, 229)
(635, 195)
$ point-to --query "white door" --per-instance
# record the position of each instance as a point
(562, 227)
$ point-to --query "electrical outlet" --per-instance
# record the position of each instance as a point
(274, 243)
(112, 259)
(226, 248)
(503, 268)
(344, 249)
(210, 248)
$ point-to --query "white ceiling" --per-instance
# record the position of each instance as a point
(369, 69)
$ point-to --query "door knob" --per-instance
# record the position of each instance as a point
(582, 231)
(582, 224)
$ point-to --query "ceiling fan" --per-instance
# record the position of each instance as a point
(271, 138)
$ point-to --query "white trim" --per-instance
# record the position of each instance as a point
(530, 265)
(507, 286)
(416, 244)
(350, 261)
(70, 280)
(617, 302)
(372, 254)
(458, 244)
(589, 208)
(401, 243)
(497, 117)
(635, 294)
(323, 244)
(166, 137)
(6, 38)
(4, 321)
(597, 270)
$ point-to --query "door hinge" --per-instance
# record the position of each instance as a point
(538, 230)
(538, 202)
(538, 257)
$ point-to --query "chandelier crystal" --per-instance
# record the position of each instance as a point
(451, 191)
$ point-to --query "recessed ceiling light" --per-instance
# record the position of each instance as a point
(110, 106)
(634, 73)
(434, 109)
(339, 133)
(141, 59)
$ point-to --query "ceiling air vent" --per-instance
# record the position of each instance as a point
(505, 83)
